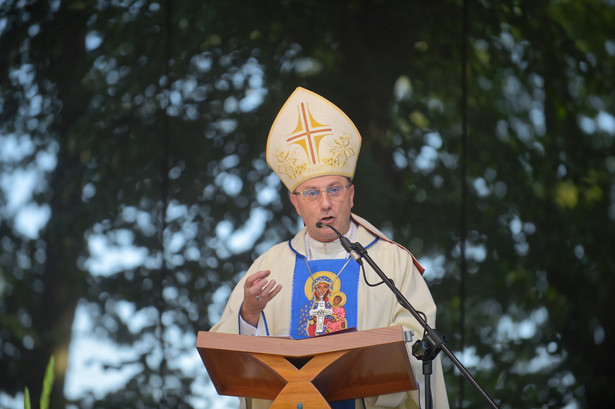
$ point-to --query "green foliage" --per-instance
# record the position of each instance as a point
(26, 399)
(47, 385)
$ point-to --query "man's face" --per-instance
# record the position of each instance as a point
(332, 211)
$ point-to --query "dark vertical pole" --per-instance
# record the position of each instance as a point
(463, 215)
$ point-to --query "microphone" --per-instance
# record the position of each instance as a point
(348, 246)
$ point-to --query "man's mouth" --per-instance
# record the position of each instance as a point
(327, 219)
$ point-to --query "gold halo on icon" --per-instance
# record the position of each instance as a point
(309, 293)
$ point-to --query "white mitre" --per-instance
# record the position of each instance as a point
(311, 137)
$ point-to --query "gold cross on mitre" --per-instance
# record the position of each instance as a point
(308, 128)
(311, 137)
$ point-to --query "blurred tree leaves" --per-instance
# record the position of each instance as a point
(145, 124)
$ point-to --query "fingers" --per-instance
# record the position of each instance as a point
(265, 287)
(258, 291)
(258, 276)
(255, 284)
(268, 292)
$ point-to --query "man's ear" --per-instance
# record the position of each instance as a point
(293, 200)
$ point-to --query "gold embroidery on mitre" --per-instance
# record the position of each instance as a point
(341, 151)
(287, 165)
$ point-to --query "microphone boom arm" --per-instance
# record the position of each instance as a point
(348, 246)
(432, 343)
(433, 340)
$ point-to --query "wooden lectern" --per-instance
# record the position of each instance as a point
(311, 371)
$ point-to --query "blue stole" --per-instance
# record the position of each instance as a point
(338, 281)
(340, 290)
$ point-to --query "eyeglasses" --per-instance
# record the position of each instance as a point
(336, 192)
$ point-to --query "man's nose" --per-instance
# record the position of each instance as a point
(325, 200)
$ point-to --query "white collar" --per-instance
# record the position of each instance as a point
(318, 250)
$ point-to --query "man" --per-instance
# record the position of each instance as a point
(313, 147)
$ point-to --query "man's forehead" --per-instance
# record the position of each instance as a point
(323, 181)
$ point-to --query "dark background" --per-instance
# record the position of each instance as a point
(488, 151)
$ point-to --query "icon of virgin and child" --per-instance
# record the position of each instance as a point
(324, 306)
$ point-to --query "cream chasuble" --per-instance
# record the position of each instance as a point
(377, 306)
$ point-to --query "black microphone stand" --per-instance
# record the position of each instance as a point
(431, 344)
